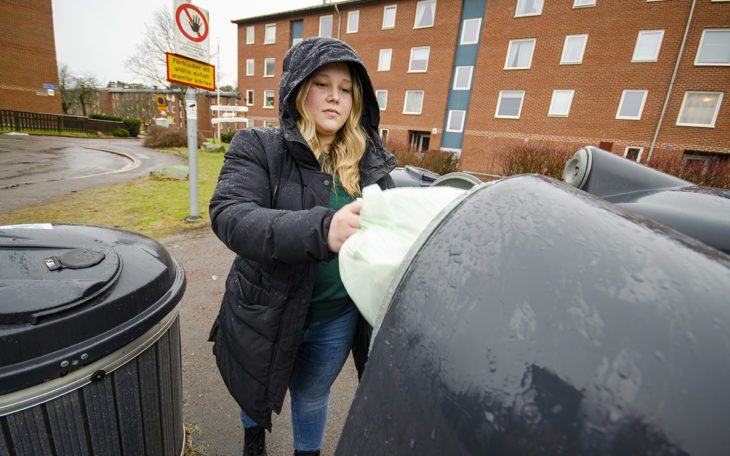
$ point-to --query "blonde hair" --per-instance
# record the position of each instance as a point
(344, 154)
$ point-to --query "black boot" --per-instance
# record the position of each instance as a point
(306, 453)
(254, 442)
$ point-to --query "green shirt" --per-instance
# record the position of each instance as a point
(329, 298)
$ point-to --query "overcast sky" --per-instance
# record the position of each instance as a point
(96, 36)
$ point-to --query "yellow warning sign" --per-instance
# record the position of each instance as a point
(190, 72)
(161, 102)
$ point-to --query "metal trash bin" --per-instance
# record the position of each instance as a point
(90, 361)
(533, 318)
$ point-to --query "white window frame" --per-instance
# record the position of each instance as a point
(702, 40)
(266, 34)
(457, 70)
(714, 116)
(433, 19)
(405, 102)
(460, 129)
(251, 92)
(499, 104)
(565, 48)
(410, 60)
(395, 12)
(638, 157)
(250, 34)
(641, 107)
(517, 9)
(478, 21)
(332, 25)
(356, 15)
(552, 100)
(252, 64)
(658, 48)
(509, 53)
(295, 41)
(273, 98)
(385, 105)
(266, 67)
(584, 4)
(382, 67)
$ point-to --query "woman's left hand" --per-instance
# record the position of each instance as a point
(345, 223)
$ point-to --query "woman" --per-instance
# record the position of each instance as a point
(285, 203)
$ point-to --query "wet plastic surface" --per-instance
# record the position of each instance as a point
(536, 319)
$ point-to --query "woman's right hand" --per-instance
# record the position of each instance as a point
(344, 224)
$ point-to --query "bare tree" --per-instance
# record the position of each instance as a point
(148, 61)
(77, 91)
(65, 83)
(87, 92)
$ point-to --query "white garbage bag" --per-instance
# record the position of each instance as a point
(390, 221)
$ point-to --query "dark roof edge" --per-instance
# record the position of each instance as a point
(302, 11)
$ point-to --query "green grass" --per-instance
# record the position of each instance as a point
(153, 205)
(75, 134)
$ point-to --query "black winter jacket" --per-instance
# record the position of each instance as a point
(271, 207)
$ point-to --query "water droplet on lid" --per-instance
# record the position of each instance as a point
(557, 409)
(614, 414)
(660, 356)
(412, 444)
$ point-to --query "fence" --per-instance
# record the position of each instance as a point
(21, 120)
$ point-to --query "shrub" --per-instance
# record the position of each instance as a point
(167, 137)
(546, 159)
(121, 133)
(436, 161)
(714, 173)
(105, 117)
(227, 137)
(132, 125)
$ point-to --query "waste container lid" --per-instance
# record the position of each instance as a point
(72, 294)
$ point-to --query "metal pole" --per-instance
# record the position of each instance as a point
(192, 115)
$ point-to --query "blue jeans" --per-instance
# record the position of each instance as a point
(319, 360)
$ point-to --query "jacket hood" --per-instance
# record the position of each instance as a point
(303, 59)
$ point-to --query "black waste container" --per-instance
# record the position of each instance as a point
(90, 360)
(533, 318)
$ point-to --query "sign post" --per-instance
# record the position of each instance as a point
(189, 66)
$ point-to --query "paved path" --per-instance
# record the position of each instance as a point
(207, 404)
(35, 168)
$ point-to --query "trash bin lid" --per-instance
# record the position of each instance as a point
(72, 294)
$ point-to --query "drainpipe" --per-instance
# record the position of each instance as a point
(339, 20)
(671, 83)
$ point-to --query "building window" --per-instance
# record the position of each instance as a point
(269, 123)
(389, 16)
(413, 102)
(250, 34)
(470, 31)
(382, 97)
(648, 43)
(269, 99)
(455, 123)
(384, 59)
(384, 135)
(573, 49)
(269, 67)
(560, 103)
(270, 34)
(462, 77)
(296, 41)
(509, 105)
(353, 21)
(419, 59)
(325, 26)
(633, 153)
(425, 13)
(296, 27)
(583, 3)
(249, 67)
(631, 105)
(714, 49)
(699, 109)
(519, 54)
(249, 98)
(528, 8)
(419, 140)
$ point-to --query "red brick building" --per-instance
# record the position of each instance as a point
(638, 77)
(28, 68)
